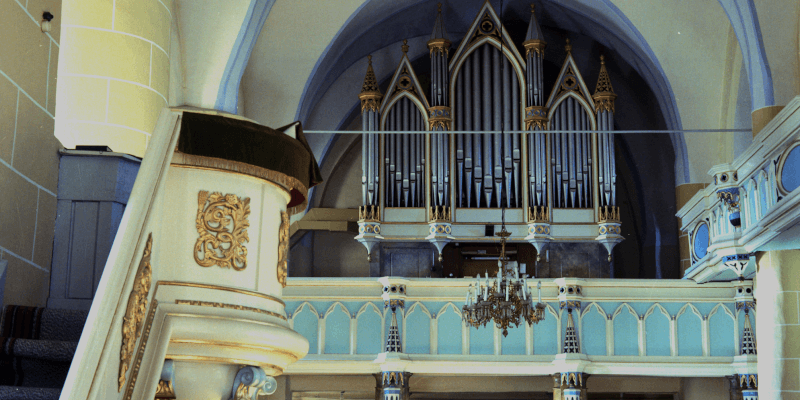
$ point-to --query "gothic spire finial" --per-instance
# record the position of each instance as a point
(534, 40)
(370, 92)
(568, 47)
(404, 47)
(532, 8)
(604, 93)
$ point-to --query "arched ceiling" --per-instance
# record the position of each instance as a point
(684, 53)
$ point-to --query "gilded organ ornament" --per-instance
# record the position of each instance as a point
(222, 224)
(370, 95)
(283, 249)
(135, 312)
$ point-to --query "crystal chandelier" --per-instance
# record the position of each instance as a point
(506, 299)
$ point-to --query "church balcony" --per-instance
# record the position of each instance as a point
(624, 327)
(752, 205)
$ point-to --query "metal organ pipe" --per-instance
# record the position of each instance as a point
(487, 98)
(507, 117)
(497, 104)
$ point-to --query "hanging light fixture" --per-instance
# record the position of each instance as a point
(506, 300)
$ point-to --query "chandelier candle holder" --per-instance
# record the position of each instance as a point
(506, 300)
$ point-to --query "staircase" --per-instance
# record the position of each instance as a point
(36, 349)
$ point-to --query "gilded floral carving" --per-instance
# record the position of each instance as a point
(135, 312)
(222, 224)
(283, 249)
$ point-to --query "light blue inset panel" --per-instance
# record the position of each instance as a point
(626, 334)
(656, 328)
(790, 174)
(751, 200)
(418, 332)
(673, 308)
(449, 334)
(689, 334)
(640, 308)
(763, 188)
(354, 306)
(720, 330)
(369, 339)
(593, 331)
(337, 332)
(481, 340)
(609, 307)
(700, 243)
(514, 343)
(306, 323)
(705, 308)
(545, 335)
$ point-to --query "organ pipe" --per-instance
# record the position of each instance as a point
(370, 98)
(487, 95)
(604, 106)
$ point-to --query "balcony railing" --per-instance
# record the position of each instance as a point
(642, 327)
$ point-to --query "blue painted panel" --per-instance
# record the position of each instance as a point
(418, 338)
(790, 175)
(700, 243)
(626, 334)
(720, 332)
(481, 340)
(514, 343)
(609, 307)
(368, 339)
(545, 335)
(656, 328)
(640, 308)
(337, 332)
(673, 308)
(593, 331)
(435, 306)
(306, 323)
(449, 333)
(705, 308)
(689, 335)
(762, 194)
(751, 200)
(321, 306)
(354, 306)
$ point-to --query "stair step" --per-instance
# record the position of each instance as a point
(28, 393)
(35, 363)
(48, 350)
(42, 323)
(64, 325)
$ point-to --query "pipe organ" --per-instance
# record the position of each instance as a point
(542, 158)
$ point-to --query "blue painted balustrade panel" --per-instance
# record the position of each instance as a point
(545, 333)
(449, 330)
(657, 332)
(418, 329)
(422, 319)
(721, 333)
(514, 343)
(593, 330)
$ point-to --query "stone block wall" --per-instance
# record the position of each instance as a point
(28, 148)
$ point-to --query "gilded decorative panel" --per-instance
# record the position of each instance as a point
(222, 223)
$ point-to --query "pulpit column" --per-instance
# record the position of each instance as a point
(776, 287)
